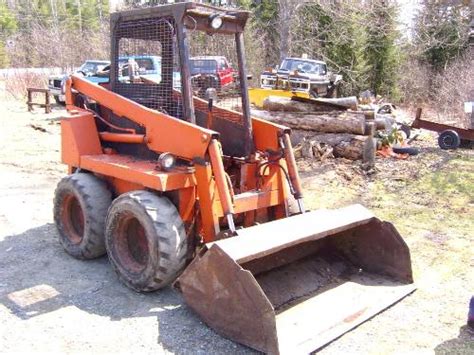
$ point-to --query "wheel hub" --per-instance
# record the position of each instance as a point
(73, 219)
(132, 245)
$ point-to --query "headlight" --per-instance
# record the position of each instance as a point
(265, 82)
(215, 21)
(166, 161)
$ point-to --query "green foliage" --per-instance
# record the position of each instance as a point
(442, 32)
(390, 138)
(263, 28)
(8, 26)
(380, 50)
(56, 32)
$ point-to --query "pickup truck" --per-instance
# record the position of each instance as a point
(144, 66)
(88, 69)
(148, 67)
(211, 72)
(302, 75)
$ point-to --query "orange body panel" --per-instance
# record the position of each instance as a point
(137, 171)
(163, 133)
(122, 186)
(262, 185)
(78, 137)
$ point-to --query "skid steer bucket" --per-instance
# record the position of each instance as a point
(295, 284)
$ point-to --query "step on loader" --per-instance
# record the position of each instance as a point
(178, 184)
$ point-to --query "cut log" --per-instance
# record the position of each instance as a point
(299, 104)
(285, 104)
(349, 102)
(349, 146)
(328, 122)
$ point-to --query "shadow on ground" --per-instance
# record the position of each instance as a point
(38, 277)
(463, 344)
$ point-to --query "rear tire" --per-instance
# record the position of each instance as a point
(80, 207)
(145, 240)
(449, 139)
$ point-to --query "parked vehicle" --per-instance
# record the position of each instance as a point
(88, 69)
(211, 72)
(147, 67)
(304, 76)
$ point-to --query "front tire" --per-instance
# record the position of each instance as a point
(80, 207)
(145, 240)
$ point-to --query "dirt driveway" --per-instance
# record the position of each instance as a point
(52, 302)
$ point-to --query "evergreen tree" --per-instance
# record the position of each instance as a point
(380, 50)
(8, 26)
(442, 32)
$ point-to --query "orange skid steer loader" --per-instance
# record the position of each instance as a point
(191, 190)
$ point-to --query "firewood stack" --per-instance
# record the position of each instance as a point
(323, 128)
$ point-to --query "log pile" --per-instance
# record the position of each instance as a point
(328, 145)
(325, 128)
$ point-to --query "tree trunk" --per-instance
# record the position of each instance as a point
(329, 122)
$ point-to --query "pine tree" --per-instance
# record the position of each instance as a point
(380, 51)
(8, 26)
(441, 32)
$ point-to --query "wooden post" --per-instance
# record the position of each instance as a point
(29, 102)
(47, 108)
(368, 155)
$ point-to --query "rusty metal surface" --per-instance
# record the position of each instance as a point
(312, 288)
(439, 127)
(229, 300)
(255, 242)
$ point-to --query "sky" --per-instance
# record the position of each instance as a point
(408, 10)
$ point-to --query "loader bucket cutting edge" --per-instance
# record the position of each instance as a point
(296, 284)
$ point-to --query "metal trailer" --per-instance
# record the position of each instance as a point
(450, 137)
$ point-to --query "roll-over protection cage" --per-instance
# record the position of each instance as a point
(164, 33)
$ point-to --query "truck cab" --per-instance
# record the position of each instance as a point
(302, 75)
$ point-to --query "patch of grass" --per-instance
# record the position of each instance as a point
(441, 201)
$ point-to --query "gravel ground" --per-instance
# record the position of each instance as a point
(52, 302)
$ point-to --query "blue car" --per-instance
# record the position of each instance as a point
(147, 67)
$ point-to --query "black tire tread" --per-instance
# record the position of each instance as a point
(172, 245)
(95, 199)
(454, 135)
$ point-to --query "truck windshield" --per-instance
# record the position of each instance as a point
(203, 66)
(303, 66)
(91, 67)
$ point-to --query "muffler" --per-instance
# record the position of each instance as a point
(295, 284)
